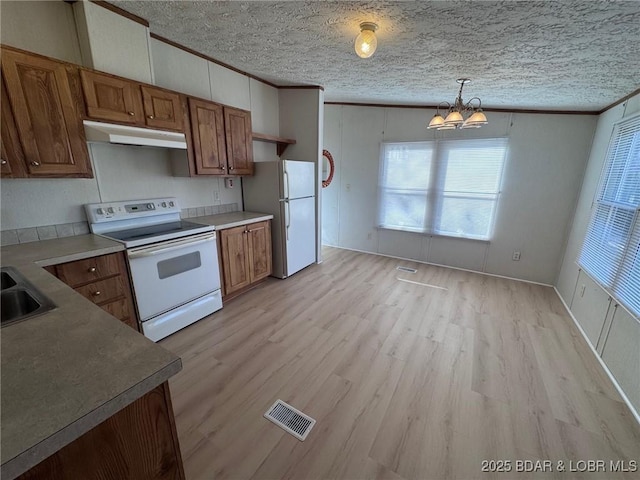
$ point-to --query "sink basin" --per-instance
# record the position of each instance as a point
(19, 298)
(16, 304)
(7, 281)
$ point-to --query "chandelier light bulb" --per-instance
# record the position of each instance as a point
(366, 41)
(459, 114)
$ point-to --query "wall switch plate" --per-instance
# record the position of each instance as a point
(582, 289)
(516, 256)
(216, 196)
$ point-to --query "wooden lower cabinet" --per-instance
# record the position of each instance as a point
(139, 442)
(105, 281)
(245, 252)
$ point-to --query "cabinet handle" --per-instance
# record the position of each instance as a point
(150, 117)
(224, 168)
(92, 270)
(97, 293)
(3, 162)
(131, 113)
(230, 168)
(35, 164)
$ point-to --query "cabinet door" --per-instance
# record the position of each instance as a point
(622, 353)
(12, 163)
(162, 109)
(237, 125)
(235, 258)
(47, 115)
(207, 126)
(259, 234)
(112, 98)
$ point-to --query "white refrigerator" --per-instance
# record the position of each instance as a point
(286, 189)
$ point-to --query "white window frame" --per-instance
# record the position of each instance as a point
(435, 193)
(615, 267)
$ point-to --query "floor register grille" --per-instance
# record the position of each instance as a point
(289, 419)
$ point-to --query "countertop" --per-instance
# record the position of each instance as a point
(66, 371)
(233, 219)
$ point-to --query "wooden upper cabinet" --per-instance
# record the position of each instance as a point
(239, 141)
(162, 109)
(207, 129)
(47, 115)
(12, 162)
(112, 98)
(119, 100)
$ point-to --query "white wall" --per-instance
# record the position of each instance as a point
(44, 27)
(112, 43)
(301, 117)
(547, 156)
(123, 172)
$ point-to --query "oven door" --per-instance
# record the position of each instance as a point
(169, 274)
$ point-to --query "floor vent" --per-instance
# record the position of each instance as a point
(288, 418)
(406, 269)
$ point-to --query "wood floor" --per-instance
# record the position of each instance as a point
(405, 381)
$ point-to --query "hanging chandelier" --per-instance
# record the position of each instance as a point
(460, 114)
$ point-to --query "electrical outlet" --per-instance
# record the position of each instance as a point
(348, 187)
(516, 255)
(369, 236)
(582, 289)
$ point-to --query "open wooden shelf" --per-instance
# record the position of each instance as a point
(281, 143)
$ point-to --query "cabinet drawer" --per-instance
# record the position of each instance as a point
(89, 270)
(119, 309)
(122, 310)
(103, 291)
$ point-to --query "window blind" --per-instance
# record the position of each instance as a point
(611, 249)
(445, 187)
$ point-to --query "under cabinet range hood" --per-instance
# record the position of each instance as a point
(124, 134)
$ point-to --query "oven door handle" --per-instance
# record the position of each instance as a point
(157, 250)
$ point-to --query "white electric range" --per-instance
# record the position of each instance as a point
(173, 263)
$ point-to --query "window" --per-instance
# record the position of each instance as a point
(444, 187)
(611, 249)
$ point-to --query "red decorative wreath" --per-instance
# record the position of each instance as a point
(326, 153)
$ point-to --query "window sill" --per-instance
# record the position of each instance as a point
(440, 235)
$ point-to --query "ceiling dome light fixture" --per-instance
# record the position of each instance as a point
(366, 41)
(456, 113)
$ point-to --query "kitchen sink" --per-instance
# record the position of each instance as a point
(7, 281)
(19, 298)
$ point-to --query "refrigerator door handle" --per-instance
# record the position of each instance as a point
(288, 218)
(286, 183)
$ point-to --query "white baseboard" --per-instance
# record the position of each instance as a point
(439, 265)
(602, 364)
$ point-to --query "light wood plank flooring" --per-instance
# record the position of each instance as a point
(406, 381)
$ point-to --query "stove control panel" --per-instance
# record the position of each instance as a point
(131, 209)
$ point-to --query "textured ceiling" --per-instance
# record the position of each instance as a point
(558, 55)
